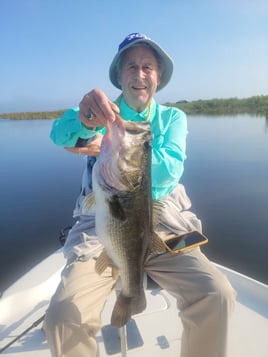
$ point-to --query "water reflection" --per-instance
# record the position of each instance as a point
(226, 175)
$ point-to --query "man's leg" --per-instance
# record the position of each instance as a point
(204, 296)
(73, 317)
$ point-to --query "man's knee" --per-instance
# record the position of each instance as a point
(61, 313)
(224, 294)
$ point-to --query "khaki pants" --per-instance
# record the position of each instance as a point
(204, 296)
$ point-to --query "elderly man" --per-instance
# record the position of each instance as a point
(204, 296)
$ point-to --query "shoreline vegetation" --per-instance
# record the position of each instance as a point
(257, 105)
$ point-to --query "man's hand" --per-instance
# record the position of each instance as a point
(91, 149)
(97, 105)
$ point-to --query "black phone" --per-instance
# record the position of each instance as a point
(185, 241)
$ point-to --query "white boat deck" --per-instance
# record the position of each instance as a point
(155, 332)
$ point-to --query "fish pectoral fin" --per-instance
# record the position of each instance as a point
(89, 203)
(103, 262)
(157, 246)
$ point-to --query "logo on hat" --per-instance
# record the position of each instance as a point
(131, 38)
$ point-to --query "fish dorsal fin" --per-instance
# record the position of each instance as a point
(157, 209)
(157, 246)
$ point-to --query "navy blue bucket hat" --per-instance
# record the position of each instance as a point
(134, 38)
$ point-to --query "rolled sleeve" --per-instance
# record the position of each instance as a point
(68, 129)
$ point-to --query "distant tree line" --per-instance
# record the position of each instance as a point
(33, 115)
(257, 105)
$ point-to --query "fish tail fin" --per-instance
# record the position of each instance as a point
(125, 307)
(138, 303)
(122, 311)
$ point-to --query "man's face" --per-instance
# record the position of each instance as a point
(139, 76)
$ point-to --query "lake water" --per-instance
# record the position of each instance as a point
(226, 177)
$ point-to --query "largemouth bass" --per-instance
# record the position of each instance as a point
(124, 209)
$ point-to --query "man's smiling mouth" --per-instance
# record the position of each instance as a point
(139, 87)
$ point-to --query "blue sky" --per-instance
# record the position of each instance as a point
(54, 51)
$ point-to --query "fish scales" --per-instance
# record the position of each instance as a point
(122, 189)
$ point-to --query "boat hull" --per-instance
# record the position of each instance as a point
(27, 300)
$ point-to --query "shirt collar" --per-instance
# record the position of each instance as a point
(130, 114)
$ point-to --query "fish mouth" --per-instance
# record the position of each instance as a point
(123, 153)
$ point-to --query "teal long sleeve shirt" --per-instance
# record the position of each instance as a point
(169, 131)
